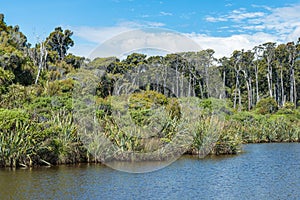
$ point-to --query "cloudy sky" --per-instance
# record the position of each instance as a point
(221, 25)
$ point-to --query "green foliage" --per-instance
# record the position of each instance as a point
(255, 128)
(61, 144)
(75, 61)
(288, 108)
(135, 59)
(16, 96)
(60, 41)
(104, 63)
(17, 140)
(142, 104)
(266, 106)
(213, 105)
(104, 108)
(6, 78)
(173, 108)
(105, 85)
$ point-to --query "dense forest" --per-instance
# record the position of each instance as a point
(257, 92)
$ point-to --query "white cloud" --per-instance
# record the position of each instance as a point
(283, 22)
(82, 49)
(145, 16)
(275, 25)
(98, 35)
(166, 14)
(127, 40)
(224, 46)
(294, 35)
(216, 19)
(236, 16)
(155, 24)
(239, 15)
(137, 40)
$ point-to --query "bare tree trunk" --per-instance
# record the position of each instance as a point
(42, 61)
(295, 91)
(269, 77)
(190, 85)
(236, 88)
(292, 57)
(193, 89)
(224, 82)
(177, 78)
(201, 89)
(248, 85)
(256, 84)
(182, 89)
(282, 86)
(250, 94)
(207, 79)
(165, 76)
(291, 88)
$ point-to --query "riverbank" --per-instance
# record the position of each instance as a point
(29, 141)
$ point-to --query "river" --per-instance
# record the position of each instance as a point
(263, 171)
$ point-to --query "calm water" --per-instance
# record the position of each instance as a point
(264, 171)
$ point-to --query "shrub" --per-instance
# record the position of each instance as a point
(266, 106)
(17, 141)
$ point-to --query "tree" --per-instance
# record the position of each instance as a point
(237, 57)
(60, 41)
(42, 60)
(75, 61)
(247, 70)
(292, 52)
(269, 55)
(258, 53)
(281, 60)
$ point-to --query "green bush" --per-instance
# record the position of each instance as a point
(288, 108)
(266, 106)
(142, 104)
(17, 139)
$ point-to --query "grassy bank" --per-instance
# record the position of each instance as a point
(41, 132)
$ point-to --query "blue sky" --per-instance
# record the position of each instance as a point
(221, 25)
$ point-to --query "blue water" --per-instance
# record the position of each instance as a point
(264, 171)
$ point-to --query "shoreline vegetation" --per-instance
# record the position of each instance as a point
(38, 102)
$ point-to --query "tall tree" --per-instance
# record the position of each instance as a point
(292, 52)
(247, 70)
(60, 41)
(281, 59)
(42, 60)
(237, 58)
(269, 55)
(258, 54)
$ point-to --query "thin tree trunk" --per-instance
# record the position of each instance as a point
(256, 84)
(224, 82)
(201, 89)
(291, 88)
(295, 91)
(236, 88)
(43, 58)
(269, 78)
(250, 94)
(282, 86)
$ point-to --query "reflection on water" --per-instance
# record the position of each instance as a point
(264, 171)
(139, 167)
